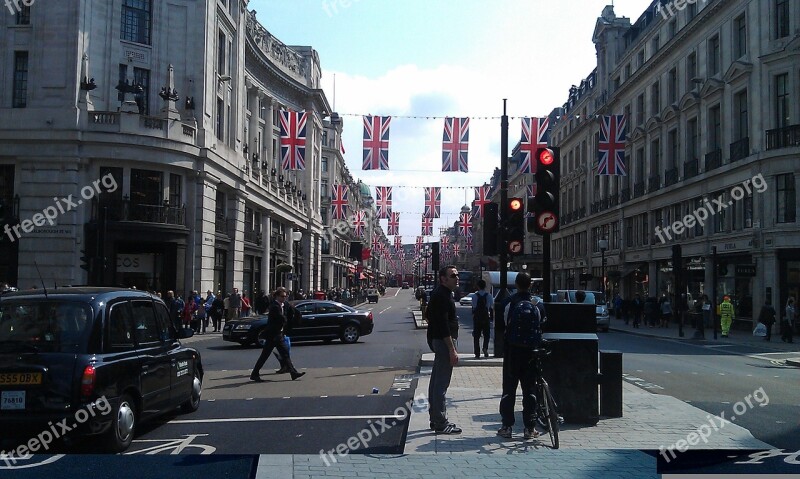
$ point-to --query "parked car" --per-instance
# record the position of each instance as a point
(466, 300)
(326, 320)
(405, 285)
(372, 295)
(110, 350)
(592, 297)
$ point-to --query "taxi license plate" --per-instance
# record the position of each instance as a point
(10, 400)
(20, 379)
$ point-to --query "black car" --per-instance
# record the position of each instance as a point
(326, 320)
(109, 356)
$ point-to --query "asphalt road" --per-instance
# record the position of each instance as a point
(746, 384)
(331, 404)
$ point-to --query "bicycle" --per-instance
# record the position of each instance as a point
(546, 412)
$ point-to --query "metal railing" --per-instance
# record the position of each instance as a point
(691, 168)
(126, 210)
(713, 159)
(671, 176)
(740, 149)
(638, 189)
(785, 137)
(654, 183)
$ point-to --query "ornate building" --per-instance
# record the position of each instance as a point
(177, 105)
(710, 95)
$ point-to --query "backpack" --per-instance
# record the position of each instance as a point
(524, 328)
(481, 314)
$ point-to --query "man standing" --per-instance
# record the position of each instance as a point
(276, 323)
(523, 319)
(262, 303)
(767, 317)
(234, 304)
(726, 315)
(482, 307)
(442, 339)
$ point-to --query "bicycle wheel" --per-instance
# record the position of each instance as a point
(548, 410)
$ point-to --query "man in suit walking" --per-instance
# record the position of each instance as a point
(276, 324)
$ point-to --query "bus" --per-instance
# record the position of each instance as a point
(467, 283)
(492, 279)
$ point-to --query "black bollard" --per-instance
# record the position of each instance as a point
(611, 383)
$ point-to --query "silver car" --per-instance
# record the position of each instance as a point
(596, 297)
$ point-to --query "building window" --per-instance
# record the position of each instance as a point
(673, 28)
(640, 165)
(655, 157)
(136, 21)
(747, 210)
(786, 200)
(720, 217)
(655, 98)
(174, 190)
(20, 92)
(145, 188)
(220, 119)
(714, 128)
(691, 11)
(640, 109)
(23, 16)
(781, 18)
(324, 164)
(782, 100)
(141, 77)
(627, 71)
(698, 227)
(654, 45)
(691, 70)
(740, 109)
(672, 147)
(693, 140)
(740, 36)
(222, 45)
(672, 86)
(641, 58)
(713, 55)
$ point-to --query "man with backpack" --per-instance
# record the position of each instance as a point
(523, 318)
(482, 314)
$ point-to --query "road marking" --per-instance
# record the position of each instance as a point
(721, 374)
(718, 345)
(248, 399)
(667, 372)
(323, 396)
(388, 308)
(286, 397)
(285, 418)
(694, 373)
(397, 292)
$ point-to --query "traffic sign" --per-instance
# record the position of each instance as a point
(547, 221)
(515, 246)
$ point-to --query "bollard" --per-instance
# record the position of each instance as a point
(611, 383)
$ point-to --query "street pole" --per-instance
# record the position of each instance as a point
(714, 290)
(499, 321)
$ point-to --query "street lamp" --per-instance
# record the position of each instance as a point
(603, 244)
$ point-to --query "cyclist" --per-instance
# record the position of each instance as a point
(523, 318)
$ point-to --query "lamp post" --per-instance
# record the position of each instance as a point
(425, 253)
(296, 237)
(603, 244)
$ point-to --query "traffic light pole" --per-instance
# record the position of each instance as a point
(546, 267)
(499, 305)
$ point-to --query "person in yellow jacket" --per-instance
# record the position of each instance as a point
(726, 315)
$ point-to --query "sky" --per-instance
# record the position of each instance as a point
(441, 58)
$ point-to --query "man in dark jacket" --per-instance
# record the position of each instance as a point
(442, 338)
(262, 303)
(273, 336)
(767, 317)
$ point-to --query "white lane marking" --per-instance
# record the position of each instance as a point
(667, 372)
(286, 418)
(397, 292)
(388, 308)
(718, 345)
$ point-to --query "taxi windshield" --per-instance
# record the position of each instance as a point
(43, 325)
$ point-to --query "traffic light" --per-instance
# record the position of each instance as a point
(515, 225)
(543, 209)
(490, 229)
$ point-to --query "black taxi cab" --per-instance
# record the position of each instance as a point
(105, 359)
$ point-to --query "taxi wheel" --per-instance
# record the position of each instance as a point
(193, 403)
(123, 425)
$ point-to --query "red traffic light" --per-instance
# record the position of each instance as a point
(546, 156)
(515, 204)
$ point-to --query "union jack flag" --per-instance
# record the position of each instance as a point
(427, 226)
(420, 240)
(465, 225)
(339, 202)
(611, 149)
(398, 244)
(481, 198)
(394, 224)
(376, 242)
(293, 139)
(456, 249)
(341, 146)
(433, 201)
(468, 246)
(359, 224)
(376, 143)
(455, 142)
(383, 201)
(445, 242)
(534, 135)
